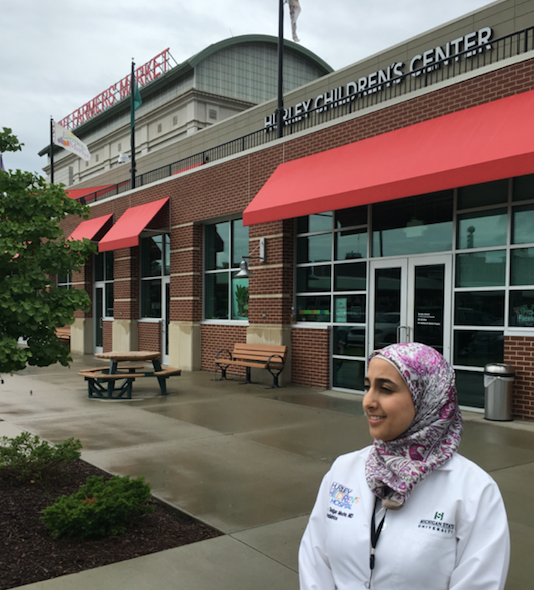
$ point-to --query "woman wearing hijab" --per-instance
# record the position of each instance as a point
(408, 512)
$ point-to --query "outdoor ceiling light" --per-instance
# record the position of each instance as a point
(244, 271)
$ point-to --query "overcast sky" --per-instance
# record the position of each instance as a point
(59, 54)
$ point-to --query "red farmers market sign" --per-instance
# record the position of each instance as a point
(144, 74)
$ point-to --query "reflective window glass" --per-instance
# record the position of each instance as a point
(216, 296)
(99, 266)
(239, 298)
(350, 277)
(349, 309)
(240, 242)
(523, 188)
(312, 223)
(349, 341)
(64, 281)
(523, 224)
(351, 217)
(522, 309)
(482, 229)
(481, 195)
(151, 299)
(478, 348)
(522, 266)
(470, 386)
(109, 300)
(350, 244)
(152, 256)
(217, 246)
(109, 266)
(348, 374)
(313, 309)
(316, 248)
(479, 308)
(413, 226)
(481, 269)
(429, 301)
(314, 279)
(167, 254)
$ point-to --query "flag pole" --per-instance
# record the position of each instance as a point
(132, 125)
(280, 106)
(51, 150)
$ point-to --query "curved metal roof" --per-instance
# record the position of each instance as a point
(320, 64)
(189, 65)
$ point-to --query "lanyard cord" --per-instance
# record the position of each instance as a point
(375, 535)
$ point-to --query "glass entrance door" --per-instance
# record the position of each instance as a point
(411, 302)
(166, 303)
(99, 314)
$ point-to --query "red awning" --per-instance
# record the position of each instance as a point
(484, 143)
(125, 232)
(90, 228)
(77, 193)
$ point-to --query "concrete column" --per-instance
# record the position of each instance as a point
(185, 346)
(81, 336)
(125, 335)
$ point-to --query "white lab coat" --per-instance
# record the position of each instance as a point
(452, 533)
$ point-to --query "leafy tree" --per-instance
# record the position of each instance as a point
(33, 250)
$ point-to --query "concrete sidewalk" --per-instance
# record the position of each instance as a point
(244, 459)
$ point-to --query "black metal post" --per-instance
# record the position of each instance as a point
(51, 150)
(280, 107)
(132, 125)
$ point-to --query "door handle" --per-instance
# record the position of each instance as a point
(407, 333)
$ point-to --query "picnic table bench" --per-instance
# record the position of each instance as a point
(63, 334)
(113, 382)
(253, 356)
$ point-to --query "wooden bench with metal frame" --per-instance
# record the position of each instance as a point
(252, 356)
(63, 334)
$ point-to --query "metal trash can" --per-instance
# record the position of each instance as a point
(498, 386)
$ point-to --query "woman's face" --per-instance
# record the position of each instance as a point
(388, 402)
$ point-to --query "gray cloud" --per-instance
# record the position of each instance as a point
(57, 55)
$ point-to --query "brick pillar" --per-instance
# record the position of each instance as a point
(127, 299)
(82, 330)
(271, 290)
(186, 297)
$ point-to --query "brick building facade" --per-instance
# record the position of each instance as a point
(325, 306)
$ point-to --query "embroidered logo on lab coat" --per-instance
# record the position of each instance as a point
(443, 528)
(341, 497)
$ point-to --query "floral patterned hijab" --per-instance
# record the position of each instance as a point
(394, 467)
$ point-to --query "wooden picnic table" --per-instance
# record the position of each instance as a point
(116, 382)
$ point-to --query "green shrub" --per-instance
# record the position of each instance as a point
(98, 509)
(28, 457)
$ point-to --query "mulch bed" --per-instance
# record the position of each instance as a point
(29, 554)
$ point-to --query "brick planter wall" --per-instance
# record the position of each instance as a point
(217, 337)
(310, 359)
(519, 352)
(149, 334)
(107, 336)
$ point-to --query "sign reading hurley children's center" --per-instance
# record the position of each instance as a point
(66, 139)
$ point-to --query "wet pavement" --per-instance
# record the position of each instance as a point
(244, 459)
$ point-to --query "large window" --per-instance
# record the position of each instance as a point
(64, 281)
(487, 229)
(155, 264)
(225, 296)
(331, 283)
(417, 225)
